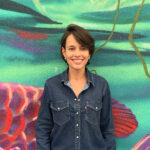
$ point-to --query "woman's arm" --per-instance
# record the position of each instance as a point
(44, 123)
(106, 123)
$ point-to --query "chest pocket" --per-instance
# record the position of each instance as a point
(93, 111)
(60, 111)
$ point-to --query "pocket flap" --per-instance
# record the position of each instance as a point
(96, 105)
(59, 105)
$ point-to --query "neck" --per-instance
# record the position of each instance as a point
(76, 74)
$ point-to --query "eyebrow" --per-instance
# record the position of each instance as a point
(71, 46)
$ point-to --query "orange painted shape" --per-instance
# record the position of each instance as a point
(30, 35)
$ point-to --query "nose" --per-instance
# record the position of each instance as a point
(77, 52)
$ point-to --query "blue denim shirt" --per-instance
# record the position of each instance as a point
(67, 122)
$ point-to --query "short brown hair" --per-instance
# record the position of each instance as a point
(81, 35)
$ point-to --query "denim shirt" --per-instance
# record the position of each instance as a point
(67, 122)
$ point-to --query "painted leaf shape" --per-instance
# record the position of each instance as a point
(125, 121)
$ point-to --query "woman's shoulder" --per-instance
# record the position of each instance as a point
(54, 79)
(100, 82)
(98, 76)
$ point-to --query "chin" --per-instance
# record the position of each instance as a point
(78, 67)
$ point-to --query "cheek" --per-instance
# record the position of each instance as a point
(87, 56)
(87, 59)
(69, 55)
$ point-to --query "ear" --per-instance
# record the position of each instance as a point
(63, 51)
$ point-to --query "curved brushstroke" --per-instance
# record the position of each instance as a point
(143, 144)
(19, 106)
(133, 44)
(111, 34)
(38, 6)
(14, 6)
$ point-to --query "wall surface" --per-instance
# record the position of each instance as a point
(30, 33)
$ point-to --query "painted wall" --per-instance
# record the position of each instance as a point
(30, 33)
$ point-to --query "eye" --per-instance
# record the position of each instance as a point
(71, 48)
(83, 48)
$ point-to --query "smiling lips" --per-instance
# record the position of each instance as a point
(77, 61)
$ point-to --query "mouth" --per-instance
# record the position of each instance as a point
(77, 61)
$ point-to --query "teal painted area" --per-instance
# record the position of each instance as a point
(31, 62)
(123, 18)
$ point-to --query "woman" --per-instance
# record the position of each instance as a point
(76, 112)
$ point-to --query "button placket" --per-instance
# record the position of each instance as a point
(77, 124)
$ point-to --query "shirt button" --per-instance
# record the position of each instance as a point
(77, 137)
(77, 124)
(75, 99)
(96, 107)
(78, 100)
(77, 113)
(58, 108)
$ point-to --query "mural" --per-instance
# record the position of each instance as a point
(30, 33)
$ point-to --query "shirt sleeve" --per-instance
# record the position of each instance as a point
(107, 126)
(44, 123)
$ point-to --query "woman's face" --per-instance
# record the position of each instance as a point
(75, 54)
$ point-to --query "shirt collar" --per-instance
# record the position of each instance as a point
(65, 79)
(90, 78)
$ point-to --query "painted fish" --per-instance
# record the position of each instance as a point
(19, 106)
